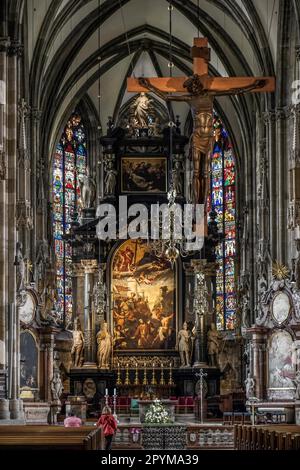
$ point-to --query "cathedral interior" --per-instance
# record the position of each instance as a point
(127, 129)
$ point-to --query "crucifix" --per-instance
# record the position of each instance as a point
(201, 376)
(202, 89)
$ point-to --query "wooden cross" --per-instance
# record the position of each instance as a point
(201, 56)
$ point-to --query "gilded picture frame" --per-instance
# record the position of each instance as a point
(144, 175)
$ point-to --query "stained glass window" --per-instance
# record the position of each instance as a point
(222, 201)
(69, 166)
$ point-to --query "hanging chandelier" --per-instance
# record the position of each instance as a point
(171, 242)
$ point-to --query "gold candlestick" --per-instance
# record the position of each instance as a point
(170, 375)
(119, 381)
(127, 381)
(145, 381)
(162, 379)
(153, 381)
(136, 380)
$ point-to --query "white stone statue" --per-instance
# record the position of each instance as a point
(141, 107)
(78, 343)
(56, 386)
(249, 385)
(87, 190)
(20, 264)
(297, 385)
(41, 264)
(184, 345)
(110, 178)
(104, 342)
(213, 345)
(176, 177)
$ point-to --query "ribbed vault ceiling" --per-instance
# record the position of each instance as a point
(63, 53)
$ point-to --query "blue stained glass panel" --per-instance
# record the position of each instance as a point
(68, 162)
(222, 200)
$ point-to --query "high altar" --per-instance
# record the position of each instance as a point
(125, 291)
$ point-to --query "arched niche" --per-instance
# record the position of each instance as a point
(281, 365)
(29, 361)
(143, 299)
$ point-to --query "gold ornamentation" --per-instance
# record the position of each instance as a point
(280, 271)
(119, 381)
(127, 380)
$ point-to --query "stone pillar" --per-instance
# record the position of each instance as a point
(270, 122)
(4, 411)
(294, 191)
(90, 267)
(258, 361)
(14, 51)
(24, 220)
(46, 362)
(78, 291)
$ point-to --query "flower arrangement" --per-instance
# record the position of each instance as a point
(157, 414)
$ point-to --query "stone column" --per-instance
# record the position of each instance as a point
(90, 266)
(4, 405)
(24, 220)
(46, 361)
(78, 291)
(14, 51)
(258, 361)
(270, 122)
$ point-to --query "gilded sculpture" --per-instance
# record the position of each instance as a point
(201, 140)
(104, 347)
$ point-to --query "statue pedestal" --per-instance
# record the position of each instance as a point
(88, 215)
(168, 404)
(36, 413)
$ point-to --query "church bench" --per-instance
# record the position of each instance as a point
(274, 437)
(83, 438)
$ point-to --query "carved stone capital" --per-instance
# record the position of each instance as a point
(280, 113)
(203, 266)
(15, 49)
(269, 116)
(78, 270)
(24, 215)
(4, 43)
(35, 114)
(89, 265)
(297, 51)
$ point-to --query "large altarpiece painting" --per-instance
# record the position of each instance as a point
(143, 302)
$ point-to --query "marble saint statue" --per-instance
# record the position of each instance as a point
(213, 345)
(249, 386)
(104, 343)
(87, 190)
(78, 343)
(184, 345)
(56, 386)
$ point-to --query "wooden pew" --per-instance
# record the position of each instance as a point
(54, 437)
(272, 437)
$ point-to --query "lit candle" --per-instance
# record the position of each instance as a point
(115, 391)
(106, 392)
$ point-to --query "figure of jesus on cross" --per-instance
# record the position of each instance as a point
(201, 92)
